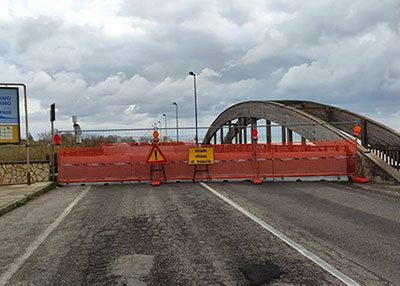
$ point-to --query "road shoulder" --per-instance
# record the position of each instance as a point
(13, 196)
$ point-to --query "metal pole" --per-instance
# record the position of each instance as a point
(52, 119)
(195, 108)
(195, 105)
(53, 176)
(166, 127)
(177, 128)
(28, 165)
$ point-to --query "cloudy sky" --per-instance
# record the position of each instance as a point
(121, 63)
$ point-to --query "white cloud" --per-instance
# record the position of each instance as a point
(123, 63)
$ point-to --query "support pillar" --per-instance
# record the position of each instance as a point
(245, 131)
(229, 132)
(283, 135)
(268, 131)
(235, 128)
(289, 136)
(364, 141)
(253, 123)
(240, 131)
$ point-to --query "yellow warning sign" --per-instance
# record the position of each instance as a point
(156, 156)
(201, 156)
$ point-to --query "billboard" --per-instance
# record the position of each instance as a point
(9, 115)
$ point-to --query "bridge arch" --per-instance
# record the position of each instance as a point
(379, 152)
(245, 113)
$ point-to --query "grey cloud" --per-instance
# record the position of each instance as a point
(337, 52)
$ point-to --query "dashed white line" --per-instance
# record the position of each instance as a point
(16, 265)
(314, 258)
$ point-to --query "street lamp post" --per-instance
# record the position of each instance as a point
(177, 128)
(166, 127)
(195, 105)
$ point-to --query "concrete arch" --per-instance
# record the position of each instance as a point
(312, 121)
(299, 121)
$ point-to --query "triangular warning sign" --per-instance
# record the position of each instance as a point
(156, 156)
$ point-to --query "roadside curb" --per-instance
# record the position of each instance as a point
(23, 201)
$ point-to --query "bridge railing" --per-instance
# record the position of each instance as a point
(390, 156)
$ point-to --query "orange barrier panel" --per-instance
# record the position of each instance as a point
(114, 163)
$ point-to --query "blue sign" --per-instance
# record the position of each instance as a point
(9, 115)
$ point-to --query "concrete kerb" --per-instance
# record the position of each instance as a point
(25, 196)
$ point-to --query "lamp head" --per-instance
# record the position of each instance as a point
(192, 73)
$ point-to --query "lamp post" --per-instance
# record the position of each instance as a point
(166, 126)
(177, 128)
(159, 122)
(195, 105)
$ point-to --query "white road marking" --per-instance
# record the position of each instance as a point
(14, 267)
(326, 266)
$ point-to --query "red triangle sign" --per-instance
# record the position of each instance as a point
(156, 156)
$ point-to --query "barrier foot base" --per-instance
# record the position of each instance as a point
(257, 181)
(359, 180)
(155, 183)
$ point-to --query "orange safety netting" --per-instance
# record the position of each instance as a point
(124, 162)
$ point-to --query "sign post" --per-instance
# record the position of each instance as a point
(156, 159)
(201, 156)
(254, 139)
(2, 90)
(52, 119)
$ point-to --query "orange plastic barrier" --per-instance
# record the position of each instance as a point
(231, 161)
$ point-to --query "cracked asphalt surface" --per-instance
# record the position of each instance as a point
(181, 234)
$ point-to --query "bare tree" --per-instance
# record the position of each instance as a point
(45, 136)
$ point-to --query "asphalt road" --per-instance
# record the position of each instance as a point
(355, 230)
(181, 234)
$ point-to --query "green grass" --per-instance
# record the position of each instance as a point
(38, 151)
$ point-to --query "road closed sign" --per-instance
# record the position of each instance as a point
(201, 156)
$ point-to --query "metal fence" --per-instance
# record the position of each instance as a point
(41, 150)
(92, 138)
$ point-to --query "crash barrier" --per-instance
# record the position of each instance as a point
(124, 162)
